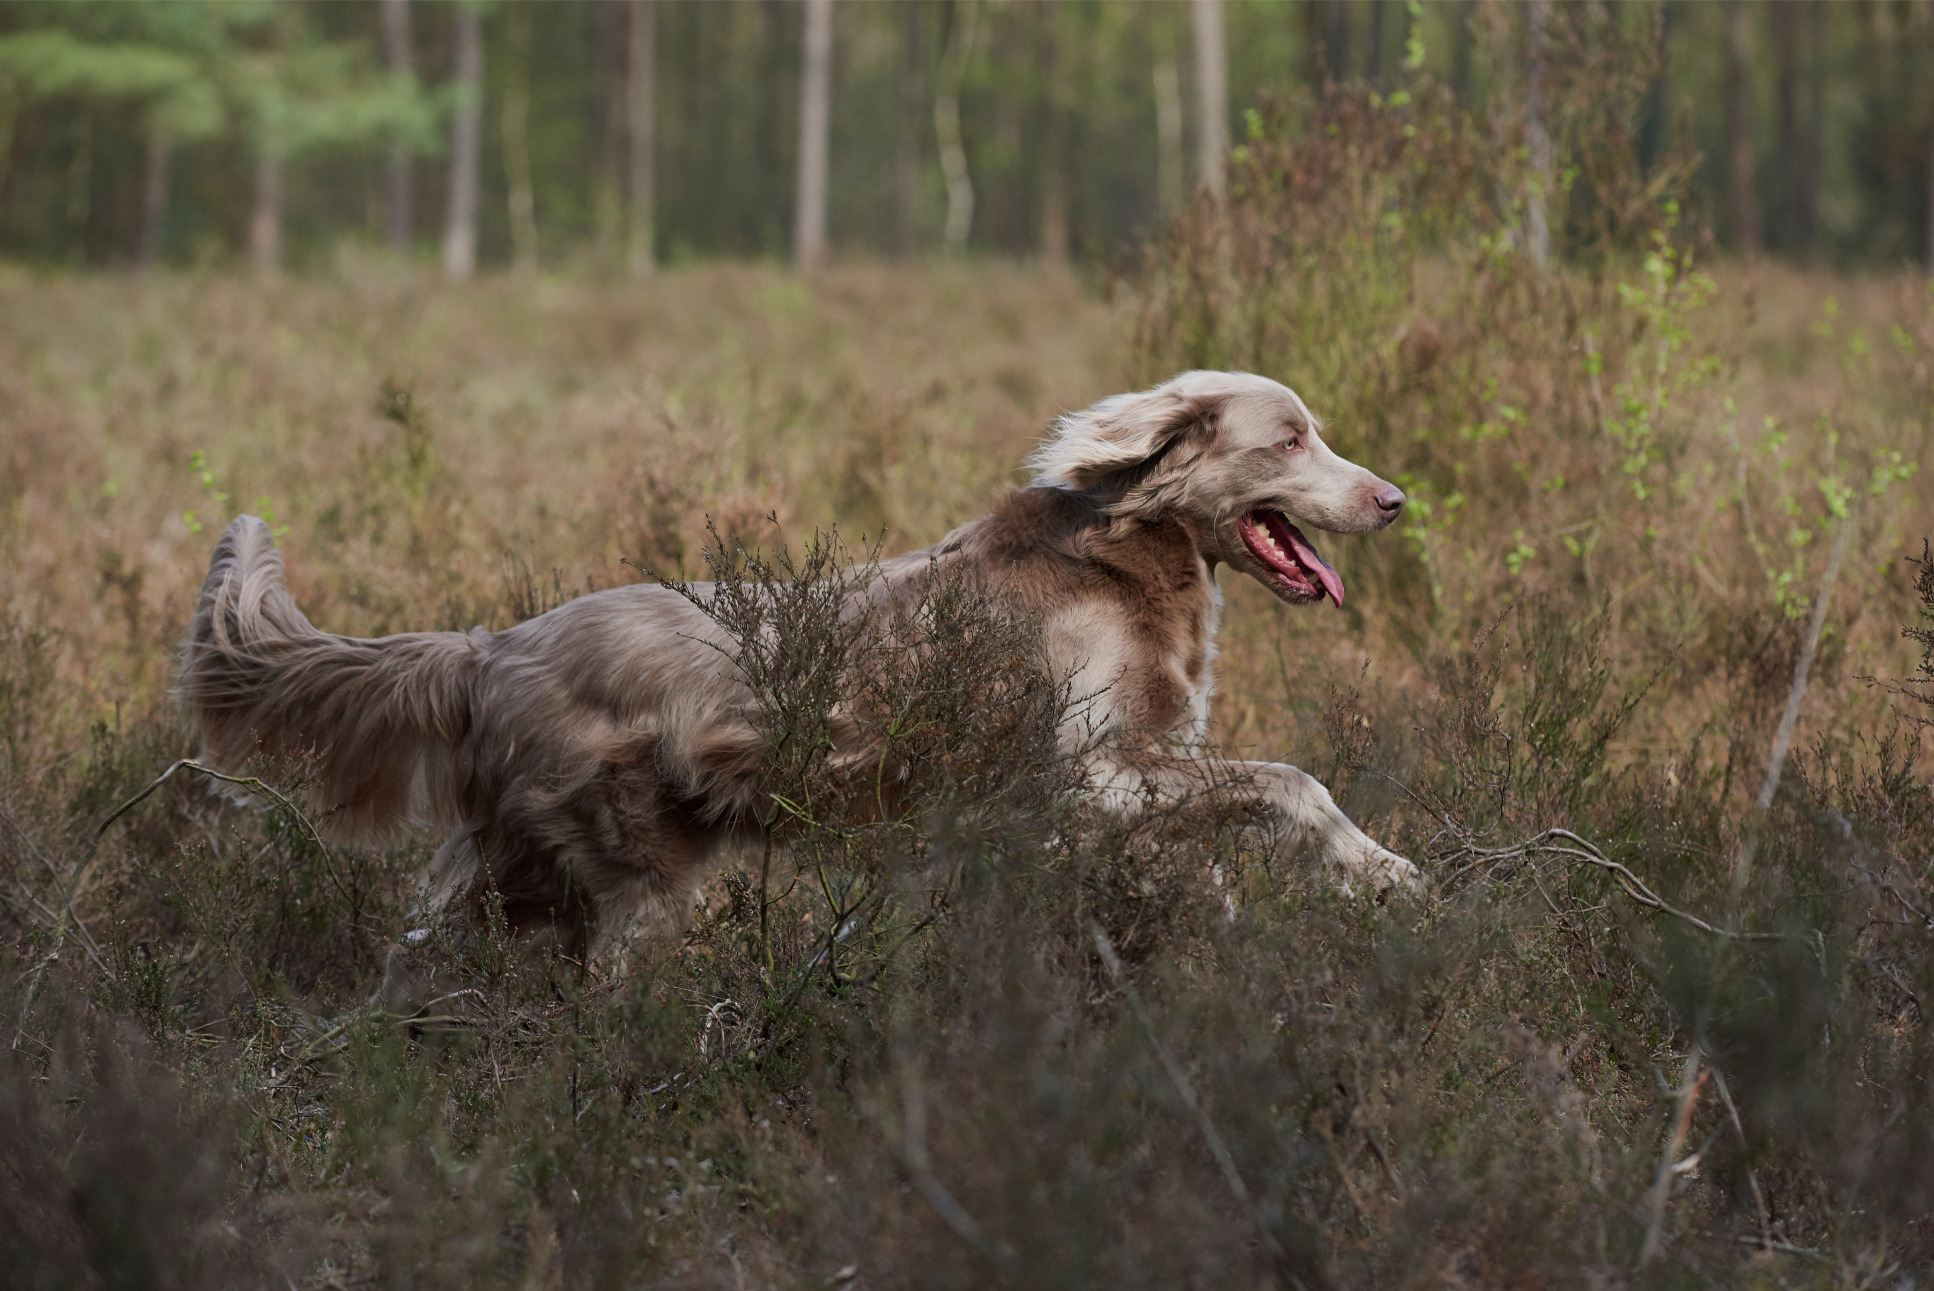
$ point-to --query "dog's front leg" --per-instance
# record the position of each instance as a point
(1314, 824)
(1306, 819)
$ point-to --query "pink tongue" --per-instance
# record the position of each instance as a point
(1311, 561)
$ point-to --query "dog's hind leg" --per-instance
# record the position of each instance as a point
(575, 855)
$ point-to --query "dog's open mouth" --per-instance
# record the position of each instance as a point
(1295, 569)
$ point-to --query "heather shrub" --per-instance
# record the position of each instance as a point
(949, 1025)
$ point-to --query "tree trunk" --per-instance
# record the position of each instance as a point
(1783, 226)
(1168, 135)
(460, 230)
(519, 193)
(1054, 181)
(396, 46)
(1655, 127)
(1462, 46)
(611, 24)
(1536, 137)
(946, 125)
(1336, 40)
(154, 197)
(906, 145)
(10, 106)
(1373, 57)
(1212, 87)
(640, 82)
(1741, 182)
(1806, 181)
(815, 110)
(265, 225)
(1930, 192)
(1314, 61)
(80, 184)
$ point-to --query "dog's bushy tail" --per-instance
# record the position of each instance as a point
(380, 722)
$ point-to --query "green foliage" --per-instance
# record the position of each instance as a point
(175, 89)
(1661, 307)
(301, 92)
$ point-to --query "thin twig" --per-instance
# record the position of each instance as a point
(1631, 884)
(1180, 1079)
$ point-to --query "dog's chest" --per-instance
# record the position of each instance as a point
(1196, 667)
(1137, 668)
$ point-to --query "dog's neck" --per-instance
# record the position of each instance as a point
(1165, 592)
(1163, 552)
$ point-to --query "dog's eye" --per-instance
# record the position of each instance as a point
(1293, 443)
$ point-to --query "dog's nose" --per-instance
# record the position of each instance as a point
(1390, 500)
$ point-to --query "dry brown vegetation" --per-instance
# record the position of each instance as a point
(895, 1051)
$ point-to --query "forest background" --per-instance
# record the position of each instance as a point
(615, 131)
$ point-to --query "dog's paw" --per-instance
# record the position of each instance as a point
(1381, 872)
(1395, 874)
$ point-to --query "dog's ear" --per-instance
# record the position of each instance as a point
(1121, 432)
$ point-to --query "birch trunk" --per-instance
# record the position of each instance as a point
(815, 95)
(1212, 86)
(1168, 135)
(1813, 134)
(1741, 181)
(154, 197)
(460, 229)
(1784, 225)
(1054, 180)
(265, 225)
(396, 47)
(520, 194)
(1536, 137)
(906, 151)
(946, 125)
(639, 77)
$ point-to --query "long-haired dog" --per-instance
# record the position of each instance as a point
(584, 764)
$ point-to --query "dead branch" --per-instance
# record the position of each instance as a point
(1632, 885)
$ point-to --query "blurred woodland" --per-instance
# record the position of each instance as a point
(657, 131)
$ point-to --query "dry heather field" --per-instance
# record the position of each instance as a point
(892, 1053)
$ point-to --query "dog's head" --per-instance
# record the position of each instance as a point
(1239, 459)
